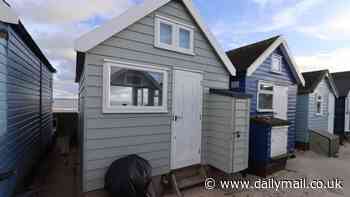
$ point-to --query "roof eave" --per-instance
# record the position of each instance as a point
(119, 23)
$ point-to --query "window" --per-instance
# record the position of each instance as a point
(265, 97)
(276, 63)
(318, 104)
(134, 88)
(172, 35)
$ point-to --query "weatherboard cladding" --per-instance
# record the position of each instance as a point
(341, 80)
(110, 136)
(301, 125)
(339, 119)
(286, 78)
(317, 122)
(27, 132)
(306, 113)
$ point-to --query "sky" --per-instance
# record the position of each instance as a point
(317, 31)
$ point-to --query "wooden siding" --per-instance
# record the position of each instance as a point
(108, 137)
(6, 186)
(301, 125)
(339, 119)
(319, 122)
(285, 78)
(28, 126)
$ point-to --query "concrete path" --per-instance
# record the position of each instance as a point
(59, 177)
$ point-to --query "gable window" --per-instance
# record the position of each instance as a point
(276, 63)
(132, 88)
(173, 35)
(319, 100)
(265, 97)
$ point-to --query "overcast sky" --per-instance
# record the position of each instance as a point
(317, 31)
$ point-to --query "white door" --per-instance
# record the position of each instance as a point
(279, 141)
(347, 115)
(280, 102)
(186, 123)
(331, 111)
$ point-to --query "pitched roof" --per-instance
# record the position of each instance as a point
(312, 79)
(242, 58)
(7, 15)
(249, 58)
(342, 81)
(119, 23)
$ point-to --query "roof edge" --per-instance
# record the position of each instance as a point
(134, 14)
(267, 53)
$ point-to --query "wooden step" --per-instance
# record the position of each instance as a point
(187, 177)
(187, 172)
(190, 182)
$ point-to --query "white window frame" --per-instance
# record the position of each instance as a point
(107, 108)
(176, 26)
(319, 100)
(264, 92)
(279, 58)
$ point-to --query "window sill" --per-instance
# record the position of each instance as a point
(264, 110)
(133, 110)
(174, 49)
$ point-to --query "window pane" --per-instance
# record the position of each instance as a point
(266, 87)
(166, 33)
(265, 101)
(185, 38)
(318, 107)
(276, 64)
(135, 87)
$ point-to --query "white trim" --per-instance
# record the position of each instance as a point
(264, 92)
(174, 21)
(7, 14)
(187, 69)
(136, 64)
(279, 42)
(117, 24)
(332, 84)
(107, 108)
(175, 40)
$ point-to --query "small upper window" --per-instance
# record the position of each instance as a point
(276, 63)
(172, 35)
(319, 104)
(265, 97)
(134, 89)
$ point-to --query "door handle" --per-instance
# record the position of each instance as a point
(175, 118)
(237, 134)
(6, 175)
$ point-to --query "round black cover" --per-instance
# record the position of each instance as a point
(129, 177)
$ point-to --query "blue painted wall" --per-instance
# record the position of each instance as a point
(25, 110)
(259, 144)
(339, 117)
(249, 85)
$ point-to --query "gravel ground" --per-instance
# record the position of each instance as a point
(306, 165)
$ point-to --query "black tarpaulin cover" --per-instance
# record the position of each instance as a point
(129, 177)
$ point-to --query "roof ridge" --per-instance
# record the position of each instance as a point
(255, 43)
